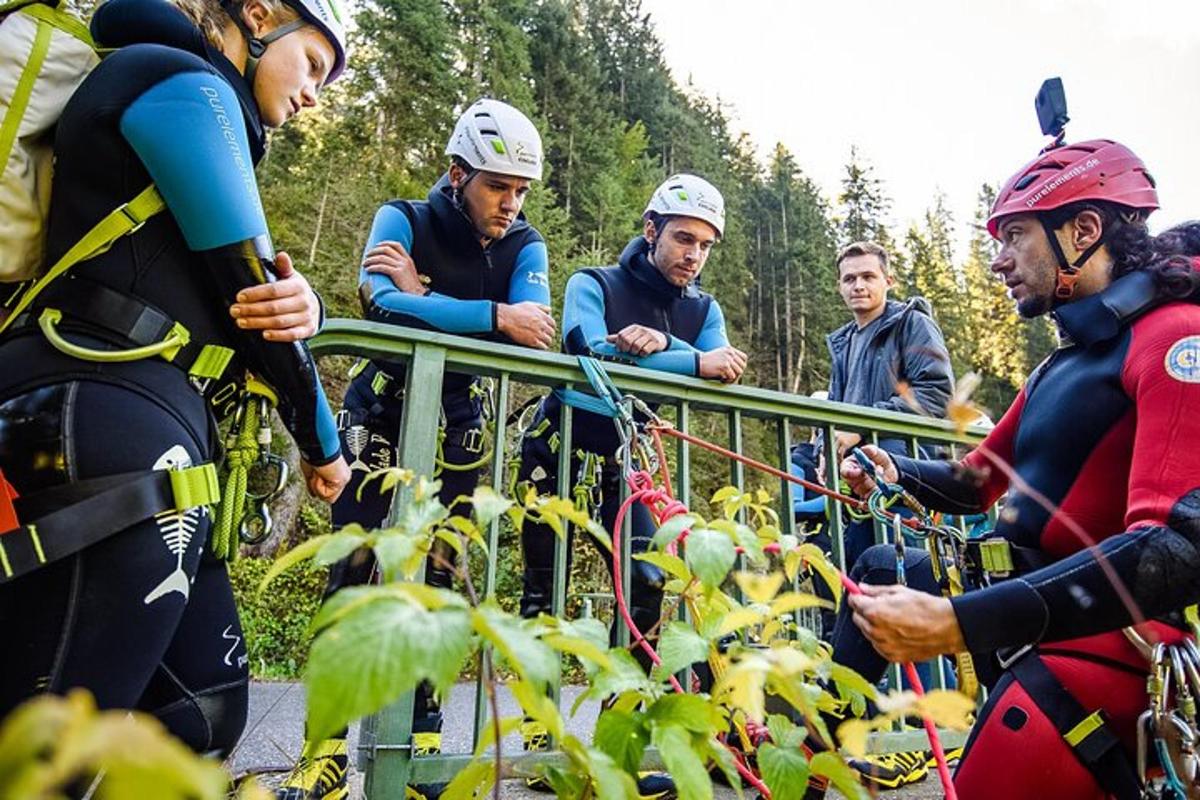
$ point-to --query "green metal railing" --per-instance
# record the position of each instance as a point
(385, 752)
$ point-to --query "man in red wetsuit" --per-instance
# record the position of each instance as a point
(1097, 449)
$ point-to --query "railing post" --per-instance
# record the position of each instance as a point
(499, 471)
(391, 752)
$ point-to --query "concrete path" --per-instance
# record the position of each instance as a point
(275, 731)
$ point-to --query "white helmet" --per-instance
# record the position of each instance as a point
(328, 17)
(496, 137)
(686, 195)
(324, 15)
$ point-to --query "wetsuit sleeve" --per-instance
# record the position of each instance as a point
(712, 333)
(530, 282)
(387, 303)
(973, 484)
(189, 132)
(585, 332)
(1157, 559)
(924, 366)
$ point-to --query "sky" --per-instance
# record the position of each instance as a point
(938, 96)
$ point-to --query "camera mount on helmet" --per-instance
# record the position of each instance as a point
(1051, 106)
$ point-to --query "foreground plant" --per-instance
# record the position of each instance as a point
(374, 643)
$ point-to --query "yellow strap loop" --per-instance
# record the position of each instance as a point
(123, 220)
(168, 348)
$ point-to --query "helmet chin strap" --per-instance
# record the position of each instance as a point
(256, 46)
(1069, 272)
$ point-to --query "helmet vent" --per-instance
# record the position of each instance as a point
(1024, 182)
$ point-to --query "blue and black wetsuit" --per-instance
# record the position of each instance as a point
(467, 280)
(601, 301)
(146, 617)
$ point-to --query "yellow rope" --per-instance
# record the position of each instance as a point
(240, 453)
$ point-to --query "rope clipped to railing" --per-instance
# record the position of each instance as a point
(663, 506)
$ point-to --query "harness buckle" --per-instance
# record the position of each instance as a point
(1006, 661)
(472, 440)
(995, 556)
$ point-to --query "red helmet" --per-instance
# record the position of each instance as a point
(1100, 169)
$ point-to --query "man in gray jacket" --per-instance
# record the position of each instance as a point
(890, 356)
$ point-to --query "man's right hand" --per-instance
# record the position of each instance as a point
(527, 323)
(862, 483)
(326, 482)
(724, 364)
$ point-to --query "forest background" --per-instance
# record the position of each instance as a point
(592, 76)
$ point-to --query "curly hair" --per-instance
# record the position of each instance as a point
(1168, 256)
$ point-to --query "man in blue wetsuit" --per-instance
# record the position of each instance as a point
(647, 310)
(463, 261)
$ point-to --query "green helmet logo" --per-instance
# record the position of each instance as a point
(682, 195)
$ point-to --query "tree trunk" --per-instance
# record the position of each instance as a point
(787, 291)
(312, 251)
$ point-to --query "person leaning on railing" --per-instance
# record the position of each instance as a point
(462, 261)
(647, 310)
(1097, 447)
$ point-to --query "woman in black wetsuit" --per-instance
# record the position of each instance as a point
(138, 610)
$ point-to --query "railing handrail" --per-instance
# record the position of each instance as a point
(475, 356)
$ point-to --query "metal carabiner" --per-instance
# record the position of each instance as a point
(1184, 700)
(256, 524)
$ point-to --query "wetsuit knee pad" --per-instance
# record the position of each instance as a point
(1015, 751)
(211, 721)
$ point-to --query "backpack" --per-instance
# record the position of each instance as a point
(45, 53)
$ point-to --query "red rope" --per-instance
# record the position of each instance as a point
(642, 490)
(853, 502)
(914, 680)
(642, 486)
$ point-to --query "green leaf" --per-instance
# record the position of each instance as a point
(451, 538)
(532, 658)
(488, 505)
(784, 732)
(473, 782)
(376, 652)
(291, 558)
(585, 649)
(682, 762)
(611, 782)
(784, 770)
(670, 530)
(710, 555)
(678, 646)
(623, 736)
(688, 711)
(624, 675)
(540, 708)
(847, 680)
(723, 494)
(400, 554)
(341, 545)
(843, 778)
(468, 529)
(791, 601)
(724, 760)
(487, 735)
(672, 565)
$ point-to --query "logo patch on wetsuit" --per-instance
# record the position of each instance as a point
(1183, 360)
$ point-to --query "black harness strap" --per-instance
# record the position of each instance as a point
(1087, 733)
(68, 518)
